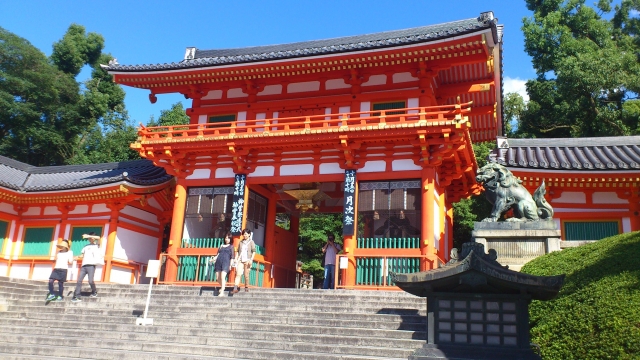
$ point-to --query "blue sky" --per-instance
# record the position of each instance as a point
(143, 32)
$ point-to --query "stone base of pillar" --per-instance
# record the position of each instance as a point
(518, 242)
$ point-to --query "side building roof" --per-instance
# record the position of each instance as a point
(620, 153)
(196, 58)
(22, 177)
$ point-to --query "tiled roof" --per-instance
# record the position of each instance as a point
(588, 154)
(379, 40)
(23, 177)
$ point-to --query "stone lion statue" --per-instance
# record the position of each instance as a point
(505, 191)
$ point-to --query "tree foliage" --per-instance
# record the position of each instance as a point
(174, 116)
(586, 60)
(513, 108)
(46, 115)
(467, 211)
(313, 231)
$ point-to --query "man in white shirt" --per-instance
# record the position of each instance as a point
(91, 256)
(330, 250)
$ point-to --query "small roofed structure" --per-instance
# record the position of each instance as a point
(477, 309)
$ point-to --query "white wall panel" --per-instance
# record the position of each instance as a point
(51, 210)
(222, 173)
(607, 198)
(8, 208)
(571, 197)
(33, 210)
(626, 225)
(403, 77)
(80, 209)
(236, 93)
(374, 166)
(140, 214)
(330, 168)
(20, 271)
(120, 275)
(199, 174)
(100, 208)
(42, 272)
(336, 84)
(135, 246)
(303, 86)
(213, 94)
(271, 90)
(404, 164)
(302, 169)
(376, 80)
(263, 171)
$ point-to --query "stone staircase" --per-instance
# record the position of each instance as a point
(192, 323)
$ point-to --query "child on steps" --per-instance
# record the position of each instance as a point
(64, 257)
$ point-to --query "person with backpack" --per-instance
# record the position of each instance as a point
(91, 256)
(64, 257)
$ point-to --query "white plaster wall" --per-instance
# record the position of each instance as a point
(404, 164)
(51, 210)
(413, 103)
(8, 208)
(131, 245)
(20, 271)
(336, 84)
(303, 86)
(364, 107)
(140, 214)
(263, 171)
(200, 174)
(32, 210)
(403, 77)
(16, 249)
(376, 80)
(154, 203)
(202, 119)
(571, 197)
(436, 224)
(574, 210)
(212, 95)
(222, 173)
(344, 109)
(626, 225)
(236, 93)
(3, 269)
(607, 198)
(374, 166)
(8, 242)
(80, 209)
(120, 275)
(330, 168)
(100, 208)
(302, 169)
(271, 90)
(41, 272)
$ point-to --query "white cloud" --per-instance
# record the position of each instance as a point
(515, 85)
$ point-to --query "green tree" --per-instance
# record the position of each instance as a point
(45, 114)
(586, 60)
(475, 208)
(513, 107)
(174, 116)
(313, 231)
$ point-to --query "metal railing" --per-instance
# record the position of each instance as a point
(370, 120)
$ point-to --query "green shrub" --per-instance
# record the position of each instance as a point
(597, 313)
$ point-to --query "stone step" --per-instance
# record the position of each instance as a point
(26, 295)
(252, 349)
(207, 314)
(212, 327)
(382, 323)
(345, 337)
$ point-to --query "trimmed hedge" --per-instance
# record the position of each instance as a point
(597, 313)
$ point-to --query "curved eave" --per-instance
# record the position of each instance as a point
(262, 54)
(449, 278)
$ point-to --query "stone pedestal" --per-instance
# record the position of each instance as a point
(518, 242)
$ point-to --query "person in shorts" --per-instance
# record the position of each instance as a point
(64, 257)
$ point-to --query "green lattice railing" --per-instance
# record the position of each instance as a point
(388, 243)
(371, 270)
(192, 266)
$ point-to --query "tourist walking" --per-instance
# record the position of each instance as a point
(91, 256)
(223, 262)
(244, 259)
(64, 258)
(330, 250)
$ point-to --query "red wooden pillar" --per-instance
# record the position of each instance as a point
(427, 228)
(175, 236)
(635, 213)
(349, 245)
(270, 238)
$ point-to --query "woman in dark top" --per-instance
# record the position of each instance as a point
(223, 262)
